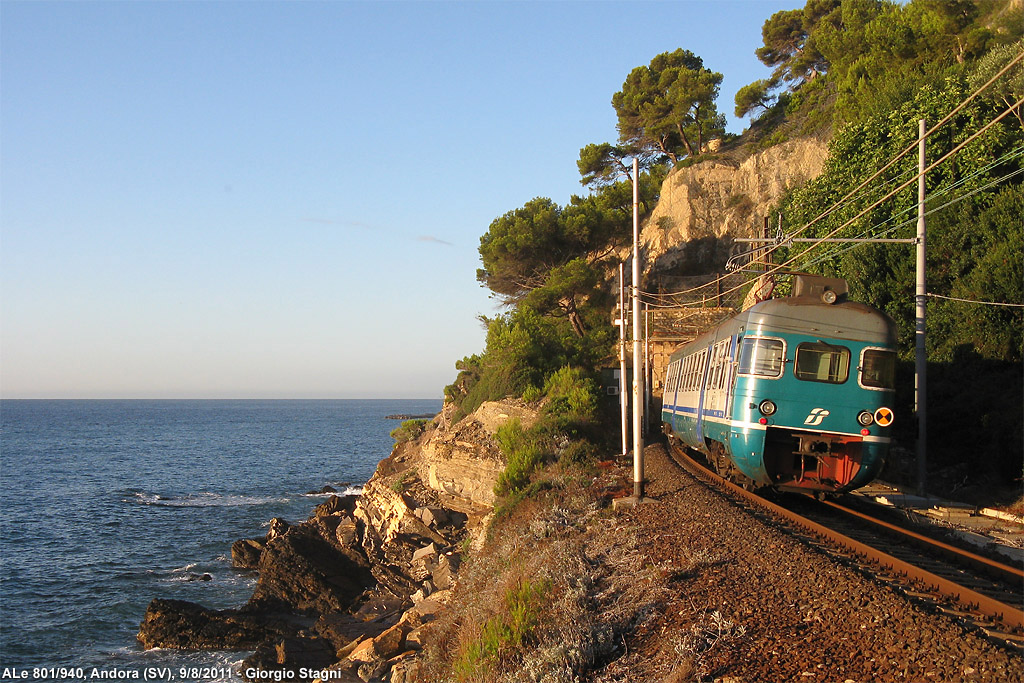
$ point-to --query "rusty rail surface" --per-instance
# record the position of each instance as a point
(1010, 616)
(1003, 572)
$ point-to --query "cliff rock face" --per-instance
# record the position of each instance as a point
(716, 199)
(462, 463)
(356, 566)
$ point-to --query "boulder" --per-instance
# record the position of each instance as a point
(278, 527)
(347, 533)
(443, 574)
(343, 630)
(404, 668)
(293, 654)
(433, 516)
(179, 624)
(245, 554)
(336, 504)
(302, 571)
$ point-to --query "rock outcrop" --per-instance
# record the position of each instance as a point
(461, 463)
(349, 589)
(706, 203)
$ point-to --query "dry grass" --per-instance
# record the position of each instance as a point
(576, 579)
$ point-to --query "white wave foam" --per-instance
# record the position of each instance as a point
(344, 490)
(205, 499)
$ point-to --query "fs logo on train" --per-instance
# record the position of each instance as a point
(816, 416)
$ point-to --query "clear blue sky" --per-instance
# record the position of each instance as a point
(285, 199)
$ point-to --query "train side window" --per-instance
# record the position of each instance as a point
(821, 362)
(878, 369)
(763, 357)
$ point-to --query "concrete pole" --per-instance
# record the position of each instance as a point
(647, 368)
(623, 391)
(921, 355)
(638, 375)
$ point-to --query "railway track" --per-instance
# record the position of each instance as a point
(979, 592)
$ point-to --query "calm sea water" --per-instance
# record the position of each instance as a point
(105, 505)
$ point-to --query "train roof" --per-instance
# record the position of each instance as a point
(808, 315)
(843, 319)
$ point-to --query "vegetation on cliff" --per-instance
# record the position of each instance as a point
(553, 598)
(886, 66)
(863, 72)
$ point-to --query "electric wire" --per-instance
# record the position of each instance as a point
(873, 230)
(841, 202)
(973, 301)
(787, 264)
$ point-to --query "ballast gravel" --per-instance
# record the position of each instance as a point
(748, 603)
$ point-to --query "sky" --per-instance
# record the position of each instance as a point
(285, 199)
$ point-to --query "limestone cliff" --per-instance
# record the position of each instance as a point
(349, 588)
(703, 206)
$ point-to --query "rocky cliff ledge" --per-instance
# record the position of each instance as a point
(344, 594)
(721, 198)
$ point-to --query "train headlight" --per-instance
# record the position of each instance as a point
(865, 418)
(828, 296)
(767, 407)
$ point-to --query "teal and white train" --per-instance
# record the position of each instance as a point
(794, 393)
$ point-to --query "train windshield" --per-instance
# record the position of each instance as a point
(878, 369)
(821, 362)
(761, 357)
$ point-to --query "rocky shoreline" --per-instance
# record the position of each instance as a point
(344, 594)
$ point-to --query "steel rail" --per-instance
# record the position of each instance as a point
(1005, 572)
(1008, 615)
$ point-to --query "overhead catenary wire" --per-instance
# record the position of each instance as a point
(771, 270)
(974, 301)
(905, 184)
(851, 194)
(913, 146)
(837, 251)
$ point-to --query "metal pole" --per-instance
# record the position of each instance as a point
(638, 430)
(647, 368)
(921, 356)
(623, 391)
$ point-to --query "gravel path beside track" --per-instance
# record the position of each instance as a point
(751, 604)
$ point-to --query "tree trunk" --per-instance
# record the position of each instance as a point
(686, 142)
(574, 317)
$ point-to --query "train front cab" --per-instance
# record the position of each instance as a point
(811, 414)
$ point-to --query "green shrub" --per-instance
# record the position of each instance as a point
(572, 402)
(399, 484)
(578, 453)
(521, 464)
(408, 430)
(524, 452)
(513, 628)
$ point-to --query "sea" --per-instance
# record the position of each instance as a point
(107, 504)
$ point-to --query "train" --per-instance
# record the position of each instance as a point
(793, 394)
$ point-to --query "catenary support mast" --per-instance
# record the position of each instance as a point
(638, 375)
(623, 375)
(921, 354)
